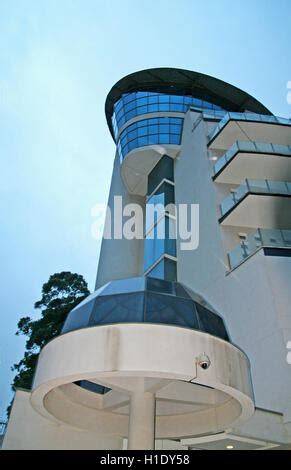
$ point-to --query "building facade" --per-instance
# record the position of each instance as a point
(183, 342)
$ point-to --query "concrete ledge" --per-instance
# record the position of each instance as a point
(121, 357)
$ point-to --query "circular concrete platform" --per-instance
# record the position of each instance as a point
(154, 372)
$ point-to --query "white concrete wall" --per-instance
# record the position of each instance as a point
(28, 430)
(255, 299)
(120, 258)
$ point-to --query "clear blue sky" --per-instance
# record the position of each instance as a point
(58, 60)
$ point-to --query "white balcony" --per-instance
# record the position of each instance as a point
(246, 159)
(250, 127)
(262, 203)
(277, 240)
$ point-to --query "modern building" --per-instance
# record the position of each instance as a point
(183, 343)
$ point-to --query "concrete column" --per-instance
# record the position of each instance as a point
(141, 433)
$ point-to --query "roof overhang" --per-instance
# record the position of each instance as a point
(183, 82)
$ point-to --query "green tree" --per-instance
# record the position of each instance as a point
(60, 295)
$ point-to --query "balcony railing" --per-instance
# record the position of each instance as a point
(251, 147)
(251, 117)
(2, 428)
(267, 238)
(256, 187)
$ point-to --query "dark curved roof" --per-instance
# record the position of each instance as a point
(183, 82)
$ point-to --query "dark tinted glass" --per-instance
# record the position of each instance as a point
(79, 317)
(137, 103)
(159, 302)
(211, 323)
(124, 286)
(157, 285)
(118, 309)
(164, 169)
(159, 204)
(92, 387)
(180, 291)
(163, 130)
(165, 269)
(158, 242)
(170, 310)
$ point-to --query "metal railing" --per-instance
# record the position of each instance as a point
(251, 117)
(251, 147)
(260, 238)
(2, 427)
(254, 186)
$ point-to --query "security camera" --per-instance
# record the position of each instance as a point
(203, 361)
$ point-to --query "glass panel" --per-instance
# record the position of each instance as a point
(130, 114)
(170, 310)
(130, 106)
(142, 110)
(141, 131)
(142, 141)
(261, 237)
(118, 309)
(142, 101)
(153, 129)
(159, 241)
(159, 285)
(247, 117)
(92, 387)
(128, 98)
(164, 128)
(122, 286)
(153, 139)
(174, 129)
(163, 169)
(176, 99)
(79, 317)
(165, 194)
(278, 187)
(286, 236)
(181, 291)
(241, 191)
(164, 138)
(153, 108)
(131, 135)
(227, 204)
(211, 323)
(258, 185)
(153, 99)
(165, 269)
(219, 164)
(164, 98)
(236, 256)
(175, 139)
(150, 128)
(137, 103)
(155, 206)
(141, 94)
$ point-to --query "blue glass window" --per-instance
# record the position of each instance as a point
(160, 241)
(156, 205)
(164, 130)
(141, 102)
(165, 269)
(164, 169)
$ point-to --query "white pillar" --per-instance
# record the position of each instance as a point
(141, 433)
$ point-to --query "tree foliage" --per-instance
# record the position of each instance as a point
(60, 295)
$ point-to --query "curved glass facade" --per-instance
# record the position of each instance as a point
(163, 130)
(160, 222)
(136, 103)
(145, 300)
